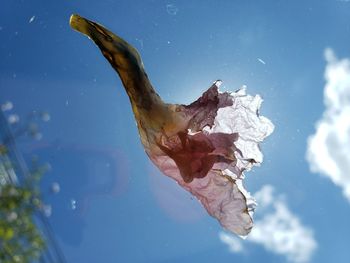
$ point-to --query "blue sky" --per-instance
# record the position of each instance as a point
(126, 211)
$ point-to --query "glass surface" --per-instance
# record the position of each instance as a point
(105, 200)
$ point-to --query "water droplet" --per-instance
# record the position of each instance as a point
(261, 61)
(45, 116)
(171, 9)
(55, 187)
(31, 19)
(33, 128)
(73, 204)
(47, 210)
(141, 42)
(38, 136)
(13, 118)
(7, 106)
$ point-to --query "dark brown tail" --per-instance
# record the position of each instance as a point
(124, 59)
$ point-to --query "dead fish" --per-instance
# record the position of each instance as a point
(204, 146)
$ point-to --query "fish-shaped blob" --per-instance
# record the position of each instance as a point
(204, 146)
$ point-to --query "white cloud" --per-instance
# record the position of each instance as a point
(328, 150)
(278, 231)
(233, 243)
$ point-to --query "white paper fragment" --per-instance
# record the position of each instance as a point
(243, 118)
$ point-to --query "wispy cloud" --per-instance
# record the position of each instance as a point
(233, 243)
(279, 230)
(328, 150)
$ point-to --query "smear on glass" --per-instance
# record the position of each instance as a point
(205, 146)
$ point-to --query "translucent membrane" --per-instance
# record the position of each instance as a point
(204, 146)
